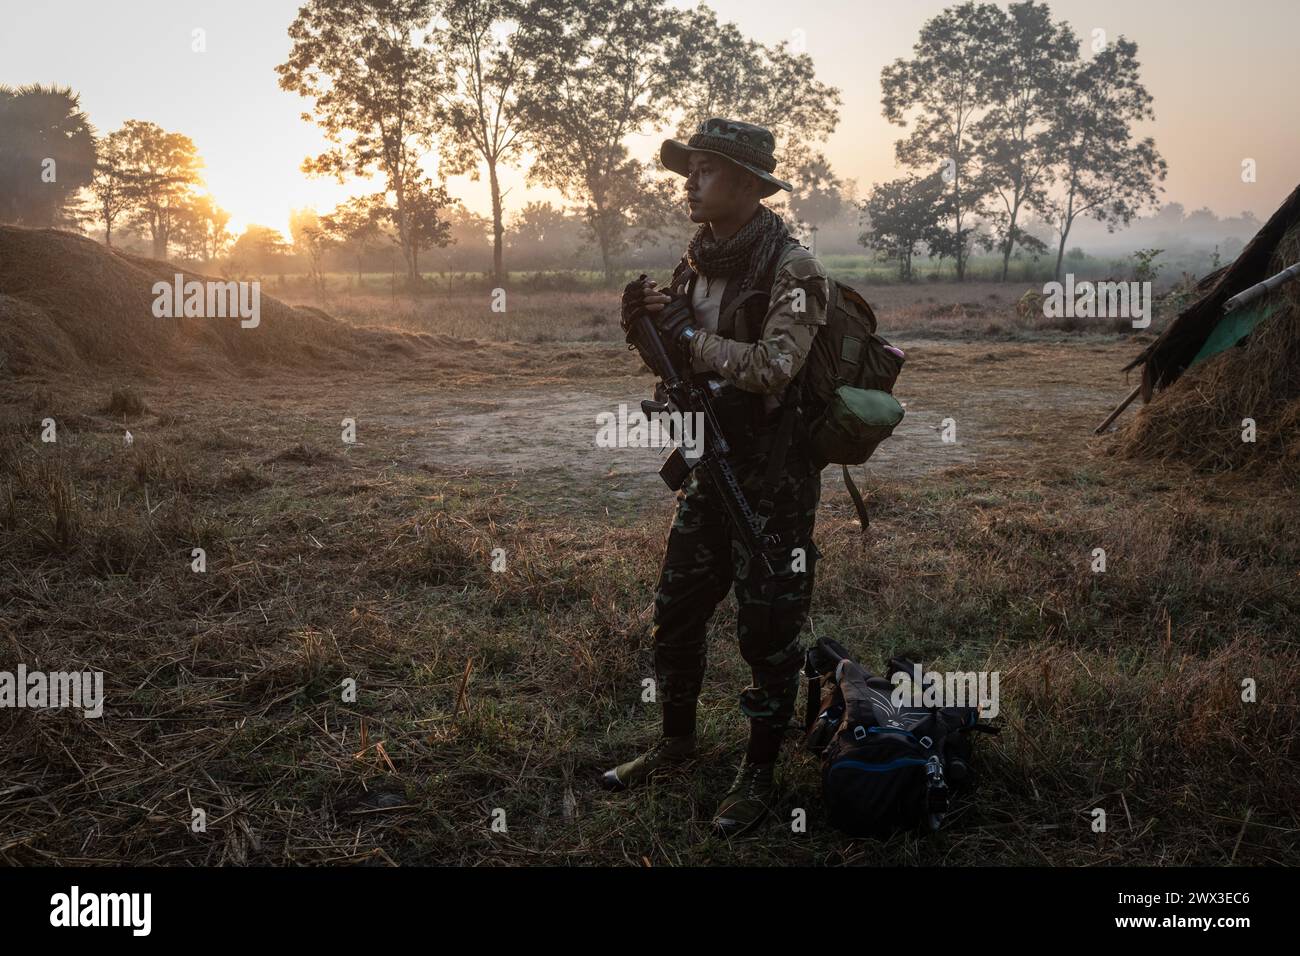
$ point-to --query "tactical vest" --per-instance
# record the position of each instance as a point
(740, 317)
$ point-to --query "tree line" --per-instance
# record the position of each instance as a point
(481, 85)
(1006, 116)
(561, 84)
(55, 171)
(1005, 119)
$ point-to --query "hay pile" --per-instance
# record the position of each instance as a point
(68, 303)
(1198, 419)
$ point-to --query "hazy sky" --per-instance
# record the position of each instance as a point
(1224, 77)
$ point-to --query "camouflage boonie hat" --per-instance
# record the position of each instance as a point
(749, 146)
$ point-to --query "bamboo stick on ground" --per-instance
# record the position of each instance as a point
(1118, 409)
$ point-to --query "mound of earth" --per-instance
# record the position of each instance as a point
(68, 303)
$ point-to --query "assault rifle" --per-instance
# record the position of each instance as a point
(689, 397)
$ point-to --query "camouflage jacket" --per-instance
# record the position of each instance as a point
(768, 361)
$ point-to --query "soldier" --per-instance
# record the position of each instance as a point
(757, 300)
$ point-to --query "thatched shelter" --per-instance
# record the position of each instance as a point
(1207, 372)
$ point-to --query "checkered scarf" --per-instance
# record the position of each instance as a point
(746, 253)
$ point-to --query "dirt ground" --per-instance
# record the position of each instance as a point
(1008, 402)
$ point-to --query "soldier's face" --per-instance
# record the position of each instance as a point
(717, 190)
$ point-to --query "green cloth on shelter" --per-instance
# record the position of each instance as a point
(1232, 328)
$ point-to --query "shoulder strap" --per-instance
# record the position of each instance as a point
(727, 316)
(777, 455)
(859, 505)
(791, 402)
(779, 259)
(733, 299)
(683, 269)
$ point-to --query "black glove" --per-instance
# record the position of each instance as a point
(674, 325)
(633, 299)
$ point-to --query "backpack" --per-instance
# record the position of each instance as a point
(885, 768)
(848, 384)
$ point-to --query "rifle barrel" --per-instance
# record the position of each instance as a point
(688, 398)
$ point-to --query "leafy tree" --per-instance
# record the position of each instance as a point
(1027, 80)
(905, 214)
(374, 81)
(1144, 267)
(468, 245)
(479, 112)
(773, 86)
(202, 228)
(217, 231)
(818, 193)
(40, 124)
(604, 70)
(426, 228)
(943, 87)
(543, 235)
(260, 249)
(1004, 236)
(599, 72)
(113, 188)
(163, 169)
(355, 226)
(311, 242)
(1105, 171)
(657, 218)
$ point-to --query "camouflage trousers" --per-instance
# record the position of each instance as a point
(700, 564)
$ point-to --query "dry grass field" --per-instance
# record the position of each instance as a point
(973, 310)
(480, 691)
(486, 695)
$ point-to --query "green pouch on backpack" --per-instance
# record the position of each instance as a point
(856, 420)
